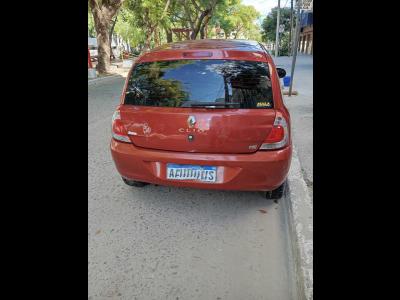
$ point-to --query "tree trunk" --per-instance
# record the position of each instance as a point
(196, 28)
(103, 46)
(102, 16)
(147, 41)
(203, 27)
(168, 32)
(156, 37)
(207, 13)
(149, 30)
(111, 34)
(202, 33)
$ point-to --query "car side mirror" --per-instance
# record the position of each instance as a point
(281, 72)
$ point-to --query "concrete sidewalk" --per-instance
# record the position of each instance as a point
(299, 199)
(117, 68)
(301, 111)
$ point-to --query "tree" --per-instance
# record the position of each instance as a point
(126, 28)
(253, 33)
(284, 46)
(91, 29)
(176, 18)
(148, 15)
(222, 17)
(243, 18)
(198, 13)
(103, 11)
(113, 22)
(269, 28)
(269, 23)
(234, 17)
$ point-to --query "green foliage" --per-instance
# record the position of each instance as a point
(146, 12)
(92, 31)
(147, 22)
(243, 19)
(149, 15)
(254, 33)
(284, 44)
(237, 18)
(269, 23)
(126, 28)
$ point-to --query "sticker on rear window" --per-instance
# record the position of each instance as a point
(263, 104)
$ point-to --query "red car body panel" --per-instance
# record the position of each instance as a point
(222, 136)
(216, 130)
(259, 171)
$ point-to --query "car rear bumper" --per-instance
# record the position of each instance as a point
(259, 171)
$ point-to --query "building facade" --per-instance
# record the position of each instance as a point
(306, 33)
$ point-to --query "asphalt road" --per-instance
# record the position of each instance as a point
(177, 243)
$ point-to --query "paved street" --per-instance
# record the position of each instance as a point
(178, 243)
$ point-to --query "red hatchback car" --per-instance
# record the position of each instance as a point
(204, 114)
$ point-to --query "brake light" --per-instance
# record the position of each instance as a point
(197, 54)
(118, 129)
(279, 135)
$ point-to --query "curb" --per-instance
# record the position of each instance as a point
(300, 222)
(92, 81)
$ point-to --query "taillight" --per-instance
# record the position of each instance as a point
(118, 129)
(279, 135)
(197, 54)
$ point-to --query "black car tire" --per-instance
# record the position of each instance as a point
(277, 193)
(134, 183)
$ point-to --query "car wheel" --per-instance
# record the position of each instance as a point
(134, 183)
(277, 193)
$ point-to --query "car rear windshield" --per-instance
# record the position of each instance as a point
(196, 83)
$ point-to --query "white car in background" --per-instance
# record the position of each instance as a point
(92, 45)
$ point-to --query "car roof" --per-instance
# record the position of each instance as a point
(211, 44)
(219, 48)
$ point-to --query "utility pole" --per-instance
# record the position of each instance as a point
(291, 28)
(295, 45)
(277, 29)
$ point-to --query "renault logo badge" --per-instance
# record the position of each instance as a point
(191, 121)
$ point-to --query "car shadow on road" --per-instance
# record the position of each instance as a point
(201, 200)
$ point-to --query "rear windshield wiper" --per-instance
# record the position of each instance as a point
(209, 104)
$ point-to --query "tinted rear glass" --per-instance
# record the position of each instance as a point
(183, 83)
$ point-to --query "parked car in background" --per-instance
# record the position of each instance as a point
(204, 114)
(93, 49)
(92, 45)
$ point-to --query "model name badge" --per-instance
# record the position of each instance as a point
(253, 147)
(190, 130)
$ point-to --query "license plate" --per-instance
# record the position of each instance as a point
(192, 172)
